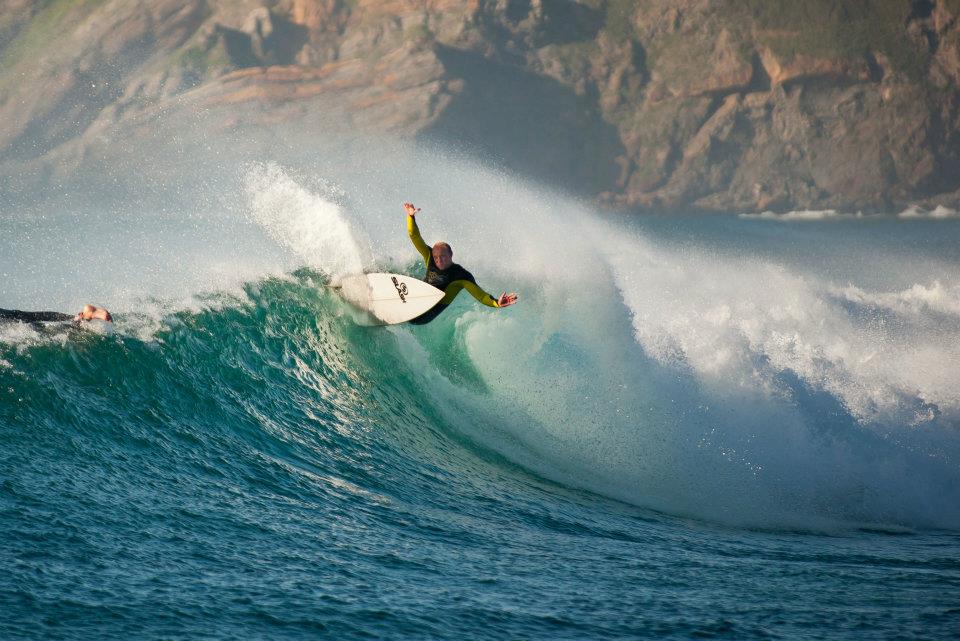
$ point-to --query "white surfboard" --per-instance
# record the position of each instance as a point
(389, 298)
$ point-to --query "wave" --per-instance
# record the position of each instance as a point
(806, 215)
(940, 212)
(700, 382)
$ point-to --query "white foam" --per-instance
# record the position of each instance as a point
(18, 333)
(917, 300)
(743, 322)
(938, 212)
(311, 225)
(806, 215)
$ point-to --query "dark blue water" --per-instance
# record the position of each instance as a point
(739, 432)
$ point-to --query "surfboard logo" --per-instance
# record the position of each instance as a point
(401, 288)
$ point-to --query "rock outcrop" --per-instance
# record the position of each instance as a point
(681, 106)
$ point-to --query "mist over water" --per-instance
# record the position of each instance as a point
(738, 371)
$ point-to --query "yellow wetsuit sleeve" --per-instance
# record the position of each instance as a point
(414, 233)
(454, 288)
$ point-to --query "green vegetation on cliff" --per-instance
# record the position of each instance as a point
(618, 19)
(199, 62)
(57, 20)
(830, 29)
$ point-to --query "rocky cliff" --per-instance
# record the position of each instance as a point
(713, 105)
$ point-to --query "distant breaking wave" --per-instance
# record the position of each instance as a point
(939, 212)
(917, 213)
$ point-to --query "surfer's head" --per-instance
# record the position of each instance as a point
(92, 312)
(442, 255)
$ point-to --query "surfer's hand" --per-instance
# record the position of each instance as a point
(411, 210)
(506, 299)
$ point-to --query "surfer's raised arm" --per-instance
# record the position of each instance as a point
(414, 232)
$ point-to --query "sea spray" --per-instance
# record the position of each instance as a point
(313, 227)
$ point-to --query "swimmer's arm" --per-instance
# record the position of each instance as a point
(414, 232)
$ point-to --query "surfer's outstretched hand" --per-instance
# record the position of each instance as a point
(411, 210)
(506, 299)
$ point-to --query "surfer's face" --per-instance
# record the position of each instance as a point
(442, 255)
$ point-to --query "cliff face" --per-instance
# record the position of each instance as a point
(696, 104)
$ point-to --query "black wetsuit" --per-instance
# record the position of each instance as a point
(40, 322)
(33, 317)
(442, 279)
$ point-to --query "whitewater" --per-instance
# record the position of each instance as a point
(742, 427)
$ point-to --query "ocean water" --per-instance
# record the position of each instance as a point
(735, 427)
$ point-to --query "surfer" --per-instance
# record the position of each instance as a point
(88, 313)
(446, 275)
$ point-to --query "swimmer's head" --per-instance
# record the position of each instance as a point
(442, 255)
(92, 312)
